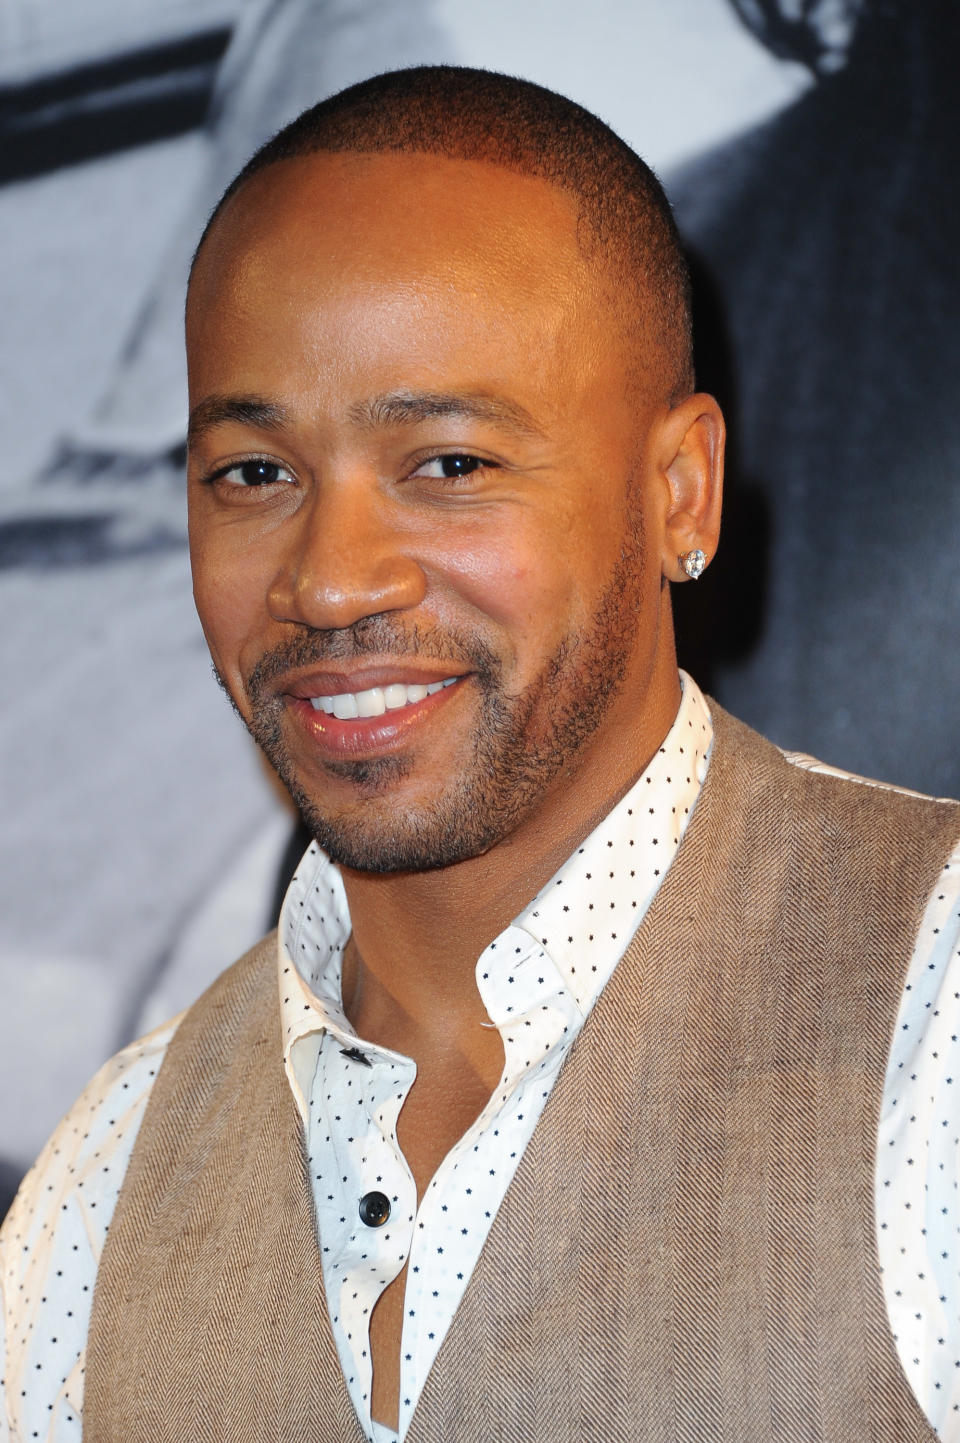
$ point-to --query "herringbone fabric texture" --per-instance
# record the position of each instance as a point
(209, 1322)
(687, 1249)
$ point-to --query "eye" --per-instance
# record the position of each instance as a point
(452, 465)
(258, 471)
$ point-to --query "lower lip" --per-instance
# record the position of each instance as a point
(367, 736)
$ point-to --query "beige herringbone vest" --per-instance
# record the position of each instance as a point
(687, 1249)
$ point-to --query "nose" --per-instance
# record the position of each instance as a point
(344, 557)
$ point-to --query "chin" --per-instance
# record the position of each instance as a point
(397, 843)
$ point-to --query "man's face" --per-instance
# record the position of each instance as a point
(417, 502)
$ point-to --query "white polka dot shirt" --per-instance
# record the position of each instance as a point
(538, 980)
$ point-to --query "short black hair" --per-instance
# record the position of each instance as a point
(472, 114)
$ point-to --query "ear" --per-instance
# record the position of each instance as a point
(690, 457)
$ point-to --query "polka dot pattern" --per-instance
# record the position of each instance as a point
(917, 1174)
(538, 981)
(51, 1243)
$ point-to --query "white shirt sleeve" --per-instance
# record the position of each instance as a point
(51, 1242)
(917, 1177)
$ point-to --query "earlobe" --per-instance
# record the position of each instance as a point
(693, 563)
(692, 466)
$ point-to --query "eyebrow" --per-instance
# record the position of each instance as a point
(397, 408)
(245, 410)
(409, 408)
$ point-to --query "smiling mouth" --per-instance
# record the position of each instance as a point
(377, 700)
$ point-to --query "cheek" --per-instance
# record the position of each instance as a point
(525, 586)
(229, 590)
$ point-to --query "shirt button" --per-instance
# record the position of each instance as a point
(374, 1209)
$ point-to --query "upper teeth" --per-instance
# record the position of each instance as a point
(376, 700)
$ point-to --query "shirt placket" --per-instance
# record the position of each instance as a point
(364, 1192)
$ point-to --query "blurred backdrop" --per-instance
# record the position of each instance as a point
(808, 146)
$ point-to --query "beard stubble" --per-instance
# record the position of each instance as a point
(520, 745)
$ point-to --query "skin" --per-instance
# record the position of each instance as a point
(539, 577)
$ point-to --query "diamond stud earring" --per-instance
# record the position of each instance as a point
(694, 563)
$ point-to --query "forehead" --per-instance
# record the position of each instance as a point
(315, 229)
(461, 204)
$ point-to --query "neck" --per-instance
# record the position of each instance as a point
(409, 976)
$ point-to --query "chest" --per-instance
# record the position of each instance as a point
(398, 1157)
(686, 1249)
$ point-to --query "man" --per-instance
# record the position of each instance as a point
(562, 1123)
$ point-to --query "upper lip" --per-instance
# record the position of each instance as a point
(327, 682)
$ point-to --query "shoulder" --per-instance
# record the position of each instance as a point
(812, 784)
(98, 1129)
(866, 853)
(53, 1237)
(238, 1010)
(84, 1162)
(94, 1140)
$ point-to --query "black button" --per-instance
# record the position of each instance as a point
(374, 1209)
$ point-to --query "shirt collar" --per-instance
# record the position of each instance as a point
(590, 907)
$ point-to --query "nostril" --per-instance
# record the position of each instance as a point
(337, 590)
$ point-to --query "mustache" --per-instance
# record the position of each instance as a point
(380, 635)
